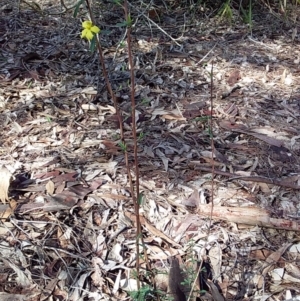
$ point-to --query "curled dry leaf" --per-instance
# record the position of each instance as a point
(234, 77)
(215, 291)
(22, 279)
(193, 200)
(215, 256)
(5, 178)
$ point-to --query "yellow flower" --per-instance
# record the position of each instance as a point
(89, 30)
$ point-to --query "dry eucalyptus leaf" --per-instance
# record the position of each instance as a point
(50, 187)
(193, 200)
(5, 178)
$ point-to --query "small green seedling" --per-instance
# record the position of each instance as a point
(123, 146)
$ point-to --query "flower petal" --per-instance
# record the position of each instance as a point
(95, 29)
(84, 33)
(89, 35)
(87, 24)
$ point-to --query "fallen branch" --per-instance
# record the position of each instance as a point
(248, 215)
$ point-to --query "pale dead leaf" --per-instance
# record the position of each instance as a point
(294, 33)
(97, 276)
(295, 248)
(21, 279)
(114, 254)
(13, 297)
(277, 275)
(89, 107)
(50, 187)
(64, 238)
(292, 270)
(193, 200)
(207, 154)
(172, 114)
(89, 90)
(129, 285)
(117, 283)
(269, 263)
(5, 212)
(264, 187)
(161, 280)
(5, 227)
(18, 129)
(148, 150)
(109, 108)
(164, 159)
(240, 128)
(283, 75)
(153, 229)
(47, 292)
(190, 219)
(93, 174)
(215, 257)
(79, 286)
(173, 117)
(158, 252)
(5, 178)
(109, 167)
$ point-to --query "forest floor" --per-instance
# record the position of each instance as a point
(231, 207)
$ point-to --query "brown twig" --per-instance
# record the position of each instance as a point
(135, 150)
(135, 195)
(212, 140)
(233, 176)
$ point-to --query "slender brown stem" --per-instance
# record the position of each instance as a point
(119, 116)
(212, 140)
(108, 85)
(135, 195)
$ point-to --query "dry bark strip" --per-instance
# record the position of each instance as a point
(248, 215)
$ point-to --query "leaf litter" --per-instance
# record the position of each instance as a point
(67, 223)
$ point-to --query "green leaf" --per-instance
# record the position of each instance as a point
(141, 136)
(123, 146)
(77, 8)
(122, 24)
(118, 2)
(140, 199)
(129, 21)
(93, 44)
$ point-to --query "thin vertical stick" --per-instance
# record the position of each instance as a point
(136, 195)
(119, 116)
(212, 141)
